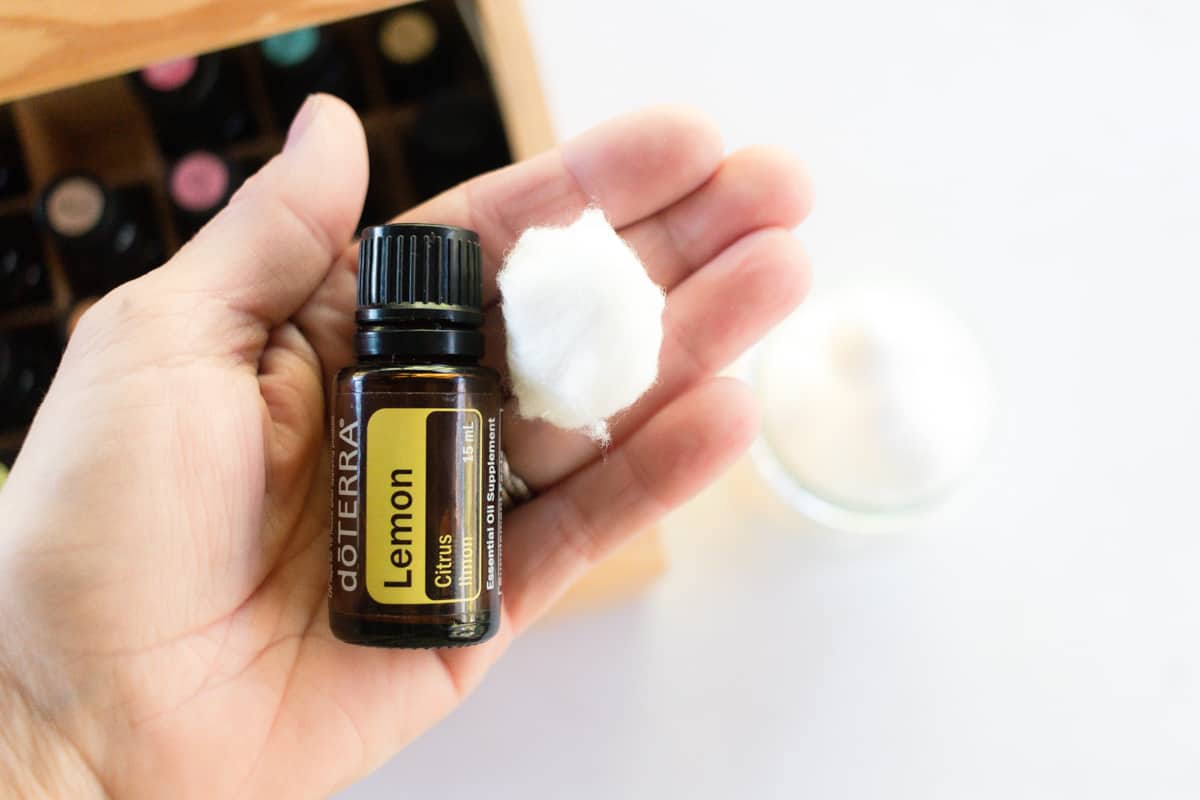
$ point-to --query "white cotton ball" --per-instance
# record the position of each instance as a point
(876, 401)
(584, 323)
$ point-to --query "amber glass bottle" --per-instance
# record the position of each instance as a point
(415, 533)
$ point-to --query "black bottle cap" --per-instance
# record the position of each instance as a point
(28, 360)
(420, 290)
(13, 178)
(420, 266)
(458, 135)
(23, 276)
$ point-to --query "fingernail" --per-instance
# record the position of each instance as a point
(304, 118)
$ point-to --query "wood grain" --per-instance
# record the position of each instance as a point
(53, 43)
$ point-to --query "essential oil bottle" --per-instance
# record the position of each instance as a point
(196, 101)
(199, 185)
(415, 429)
(28, 359)
(105, 236)
(24, 279)
(457, 135)
(301, 62)
(413, 53)
(13, 177)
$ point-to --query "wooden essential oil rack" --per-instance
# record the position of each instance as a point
(70, 103)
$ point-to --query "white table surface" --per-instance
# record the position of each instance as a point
(1036, 165)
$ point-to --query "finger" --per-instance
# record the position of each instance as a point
(631, 167)
(759, 187)
(555, 538)
(710, 319)
(272, 246)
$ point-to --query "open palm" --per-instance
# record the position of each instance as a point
(163, 536)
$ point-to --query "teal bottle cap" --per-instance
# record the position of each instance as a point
(291, 48)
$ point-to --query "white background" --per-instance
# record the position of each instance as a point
(1036, 165)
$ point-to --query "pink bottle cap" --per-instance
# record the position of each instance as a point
(199, 181)
(167, 76)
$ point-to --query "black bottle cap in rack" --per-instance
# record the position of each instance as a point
(28, 360)
(24, 279)
(13, 180)
(13, 177)
(457, 136)
(457, 123)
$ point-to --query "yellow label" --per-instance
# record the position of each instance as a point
(423, 510)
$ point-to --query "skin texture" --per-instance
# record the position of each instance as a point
(163, 536)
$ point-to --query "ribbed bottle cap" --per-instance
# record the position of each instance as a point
(417, 267)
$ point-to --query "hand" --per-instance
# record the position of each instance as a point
(164, 547)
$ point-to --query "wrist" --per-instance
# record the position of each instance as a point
(36, 758)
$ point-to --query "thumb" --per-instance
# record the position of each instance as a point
(273, 245)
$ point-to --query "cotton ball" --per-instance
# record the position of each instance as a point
(584, 324)
(875, 402)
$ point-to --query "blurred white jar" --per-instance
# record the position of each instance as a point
(875, 402)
